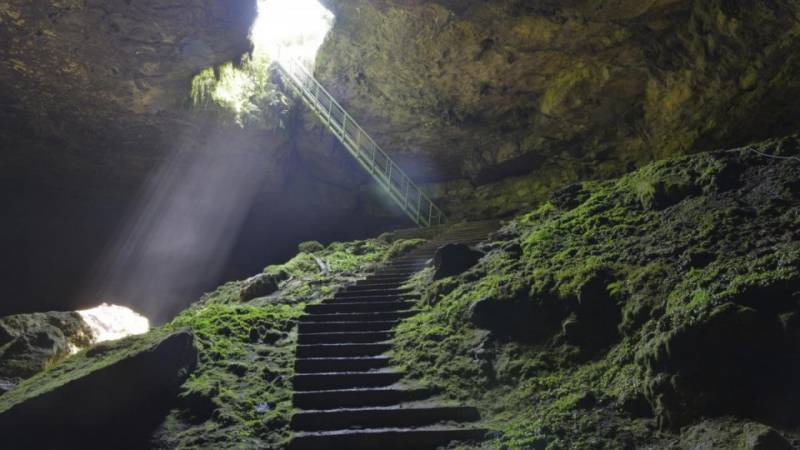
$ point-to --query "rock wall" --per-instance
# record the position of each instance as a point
(30, 343)
(658, 310)
(475, 92)
(663, 300)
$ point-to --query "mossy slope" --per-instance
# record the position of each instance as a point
(624, 310)
(239, 393)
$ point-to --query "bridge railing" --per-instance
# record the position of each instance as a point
(372, 158)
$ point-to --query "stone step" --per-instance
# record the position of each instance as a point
(415, 258)
(371, 293)
(344, 380)
(334, 327)
(372, 306)
(342, 350)
(376, 298)
(380, 417)
(357, 337)
(355, 398)
(327, 365)
(396, 272)
(427, 438)
(375, 286)
(417, 265)
(358, 317)
(380, 280)
(456, 236)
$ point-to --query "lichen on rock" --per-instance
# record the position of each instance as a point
(30, 343)
(590, 324)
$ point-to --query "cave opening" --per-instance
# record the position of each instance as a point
(290, 29)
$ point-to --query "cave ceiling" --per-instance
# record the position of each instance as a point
(483, 90)
(454, 90)
(465, 95)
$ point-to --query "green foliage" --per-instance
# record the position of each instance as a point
(310, 247)
(243, 94)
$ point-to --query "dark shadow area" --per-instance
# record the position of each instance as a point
(133, 430)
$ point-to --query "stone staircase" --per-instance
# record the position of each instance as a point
(347, 394)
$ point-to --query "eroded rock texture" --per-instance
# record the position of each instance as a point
(475, 92)
(93, 104)
(108, 392)
(29, 343)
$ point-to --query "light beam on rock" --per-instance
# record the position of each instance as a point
(111, 322)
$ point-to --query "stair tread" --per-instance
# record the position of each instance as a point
(343, 374)
(387, 430)
(339, 333)
(353, 322)
(363, 316)
(350, 358)
(398, 387)
(347, 393)
(345, 344)
(409, 406)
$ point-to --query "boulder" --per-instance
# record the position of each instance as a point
(569, 197)
(505, 317)
(728, 360)
(762, 437)
(29, 343)
(258, 286)
(453, 259)
(116, 380)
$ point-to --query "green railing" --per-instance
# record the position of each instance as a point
(403, 191)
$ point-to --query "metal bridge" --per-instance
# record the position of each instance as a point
(403, 191)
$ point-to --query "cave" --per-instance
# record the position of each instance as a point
(408, 224)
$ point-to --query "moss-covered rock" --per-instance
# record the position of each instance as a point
(653, 301)
(93, 389)
(30, 343)
(506, 101)
(231, 388)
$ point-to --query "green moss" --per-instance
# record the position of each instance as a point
(79, 365)
(401, 247)
(310, 247)
(241, 390)
(653, 248)
(301, 265)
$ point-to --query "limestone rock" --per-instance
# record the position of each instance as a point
(508, 317)
(557, 92)
(731, 358)
(454, 259)
(258, 286)
(569, 196)
(762, 437)
(29, 343)
(109, 381)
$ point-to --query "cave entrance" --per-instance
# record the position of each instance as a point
(290, 30)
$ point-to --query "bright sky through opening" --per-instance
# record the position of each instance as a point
(290, 29)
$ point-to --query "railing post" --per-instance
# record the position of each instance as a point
(405, 200)
(373, 158)
(419, 206)
(313, 93)
(358, 141)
